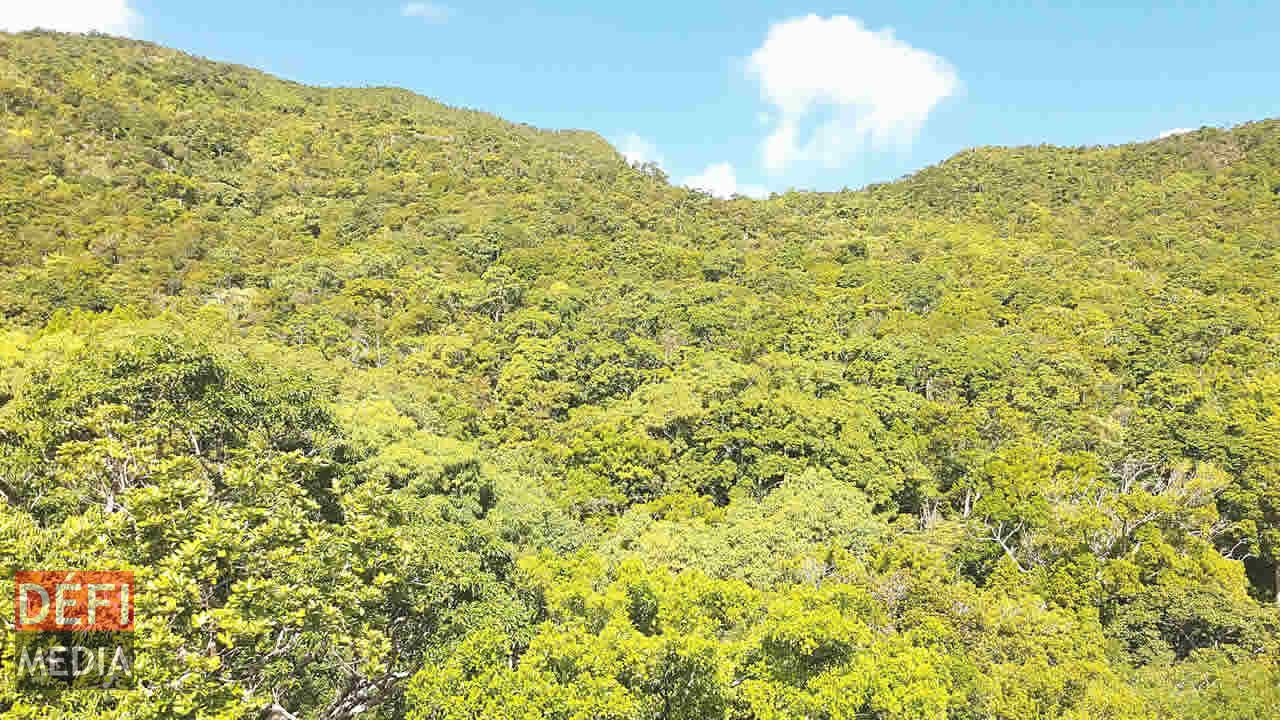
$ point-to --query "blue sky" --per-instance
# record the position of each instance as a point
(747, 96)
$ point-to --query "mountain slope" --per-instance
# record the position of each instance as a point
(400, 410)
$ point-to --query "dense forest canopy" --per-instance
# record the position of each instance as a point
(397, 410)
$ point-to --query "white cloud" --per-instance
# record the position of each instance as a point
(108, 16)
(720, 180)
(866, 88)
(639, 151)
(427, 11)
(1175, 131)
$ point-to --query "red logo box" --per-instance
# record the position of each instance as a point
(73, 600)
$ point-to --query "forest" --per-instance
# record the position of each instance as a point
(399, 411)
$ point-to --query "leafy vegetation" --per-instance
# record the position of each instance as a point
(401, 411)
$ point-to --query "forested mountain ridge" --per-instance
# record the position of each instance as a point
(400, 410)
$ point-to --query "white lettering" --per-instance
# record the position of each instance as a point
(120, 662)
(95, 602)
(78, 666)
(62, 602)
(29, 664)
(24, 607)
(124, 604)
(56, 659)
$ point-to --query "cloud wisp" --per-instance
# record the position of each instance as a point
(638, 150)
(720, 180)
(115, 17)
(717, 179)
(863, 88)
(428, 12)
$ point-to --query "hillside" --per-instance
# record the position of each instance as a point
(401, 410)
